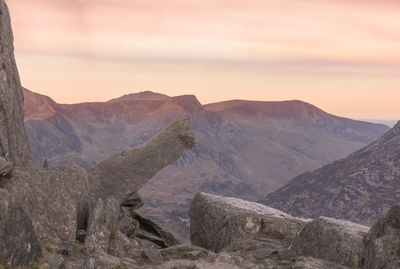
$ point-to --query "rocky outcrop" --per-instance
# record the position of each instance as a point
(382, 243)
(55, 199)
(14, 145)
(332, 240)
(217, 222)
(19, 245)
(125, 173)
(360, 188)
(103, 218)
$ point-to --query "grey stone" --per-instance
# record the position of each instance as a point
(332, 240)
(103, 218)
(125, 173)
(382, 243)
(216, 222)
(55, 199)
(134, 201)
(14, 145)
(18, 243)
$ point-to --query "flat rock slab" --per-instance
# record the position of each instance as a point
(216, 222)
(332, 240)
(125, 173)
(55, 199)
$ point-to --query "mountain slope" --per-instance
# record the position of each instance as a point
(237, 153)
(359, 188)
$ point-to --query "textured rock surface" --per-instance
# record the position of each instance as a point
(125, 173)
(55, 199)
(216, 222)
(360, 188)
(14, 145)
(333, 240)
(103, 217)
(18, 243)
(382, 243)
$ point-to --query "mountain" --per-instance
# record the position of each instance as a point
(359, 188)
(243, 149)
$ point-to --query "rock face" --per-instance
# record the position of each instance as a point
(103, 218)
(255, 236)
(332, 240)
(359, 188)
(125, 173)
(18, 243)
(14, 145)
(382, 242)
(217, 222)
(55, 199)
(243, 149)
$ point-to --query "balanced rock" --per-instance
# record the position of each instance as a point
(332, 240)
(216, 222)
(55, 199)
(14, 145)
(125, 173)
(382, 243)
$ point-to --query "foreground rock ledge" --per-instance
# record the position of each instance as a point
(217, 222)
(125, 173)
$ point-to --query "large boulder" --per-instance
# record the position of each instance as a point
(216, 222)
(14, 145)
(382, 243)
(55, 199)
(332, 240)
(125, 173)
(18, 243)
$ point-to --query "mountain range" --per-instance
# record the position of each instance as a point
(360, 188)
(244, 149)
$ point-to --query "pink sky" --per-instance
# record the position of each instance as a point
(341, 55)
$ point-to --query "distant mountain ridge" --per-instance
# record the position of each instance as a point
(359, 188)
(244, 149)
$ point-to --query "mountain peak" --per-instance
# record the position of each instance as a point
(145, 95)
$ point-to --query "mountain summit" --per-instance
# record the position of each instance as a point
(359, 188)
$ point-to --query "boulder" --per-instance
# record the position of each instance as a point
(332, 240)
(103, 218)
(216, 222)
(382, 243)
(55, 199)
(14, 145)
(125, 173)
(19, 245)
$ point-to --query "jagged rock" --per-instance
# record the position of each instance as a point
(14, 145)
(332, 240)
(103, 218)
(55, 199)
(150, 231)
(134, 201)
(18, 243)
(125, 173)
(382, 243)
(216, 222)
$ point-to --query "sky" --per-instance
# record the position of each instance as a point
(340, 55)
